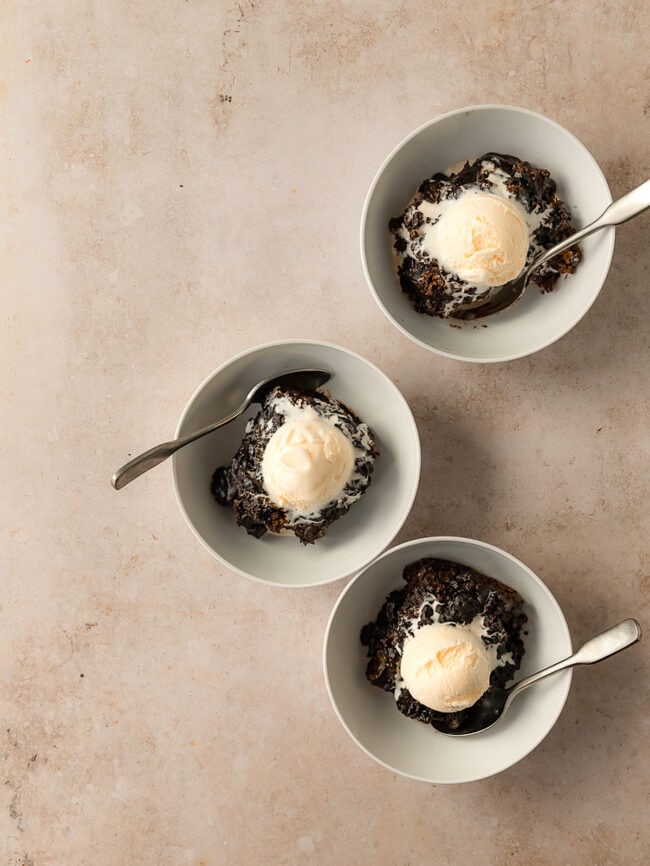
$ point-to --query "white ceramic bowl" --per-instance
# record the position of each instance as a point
(412, 748)
(537, 320)
(353, 540)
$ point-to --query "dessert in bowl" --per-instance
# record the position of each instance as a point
(473, 228)
(483, 190)
(378, 611)
(255, 492)
(304, 460)
(440, 642)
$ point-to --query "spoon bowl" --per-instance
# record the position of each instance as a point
(304, 380)
(494, 704)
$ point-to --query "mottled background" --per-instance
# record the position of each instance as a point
(184, 180)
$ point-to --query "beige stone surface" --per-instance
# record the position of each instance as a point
(182, 181)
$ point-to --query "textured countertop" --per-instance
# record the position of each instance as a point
(183, 181)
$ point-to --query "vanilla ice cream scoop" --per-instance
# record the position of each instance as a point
(482, 237)
(306, 463)
(445, 667)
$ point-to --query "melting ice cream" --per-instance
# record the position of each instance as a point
(445, 667)
(481, 237)
(306, 463)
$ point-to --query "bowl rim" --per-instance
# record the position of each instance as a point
(408, 504)
(566, 675)
(609, 234)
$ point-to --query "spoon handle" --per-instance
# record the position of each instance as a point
(148, 459)
(624, 208)
(606, 644)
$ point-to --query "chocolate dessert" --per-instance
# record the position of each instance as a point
(305, 459)
(448, 260)
(439, 592)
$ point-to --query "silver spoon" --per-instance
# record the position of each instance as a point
(304, 380)
(629, 205)
(496, 701)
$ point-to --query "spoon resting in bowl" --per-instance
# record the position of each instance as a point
(496, 701)
(307, 380)
(629, 205)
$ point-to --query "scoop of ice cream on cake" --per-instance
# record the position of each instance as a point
(445, 667)
(306, 463)
(481, 237)
(474, 227)
(440, 641)
(303, 462)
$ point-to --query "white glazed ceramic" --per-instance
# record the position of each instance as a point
(412, 748)
(537, 320)
(353, 540)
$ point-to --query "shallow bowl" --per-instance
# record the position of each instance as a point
(353, 540)
(414, 749)
(537, 320)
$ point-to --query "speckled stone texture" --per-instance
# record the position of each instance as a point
(182, 181)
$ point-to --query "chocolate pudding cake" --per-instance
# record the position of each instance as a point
(440, 596)
(305, 459)
(474, 228)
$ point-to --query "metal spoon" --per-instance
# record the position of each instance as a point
(495, 702)
(630, 205)
(304, 380)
